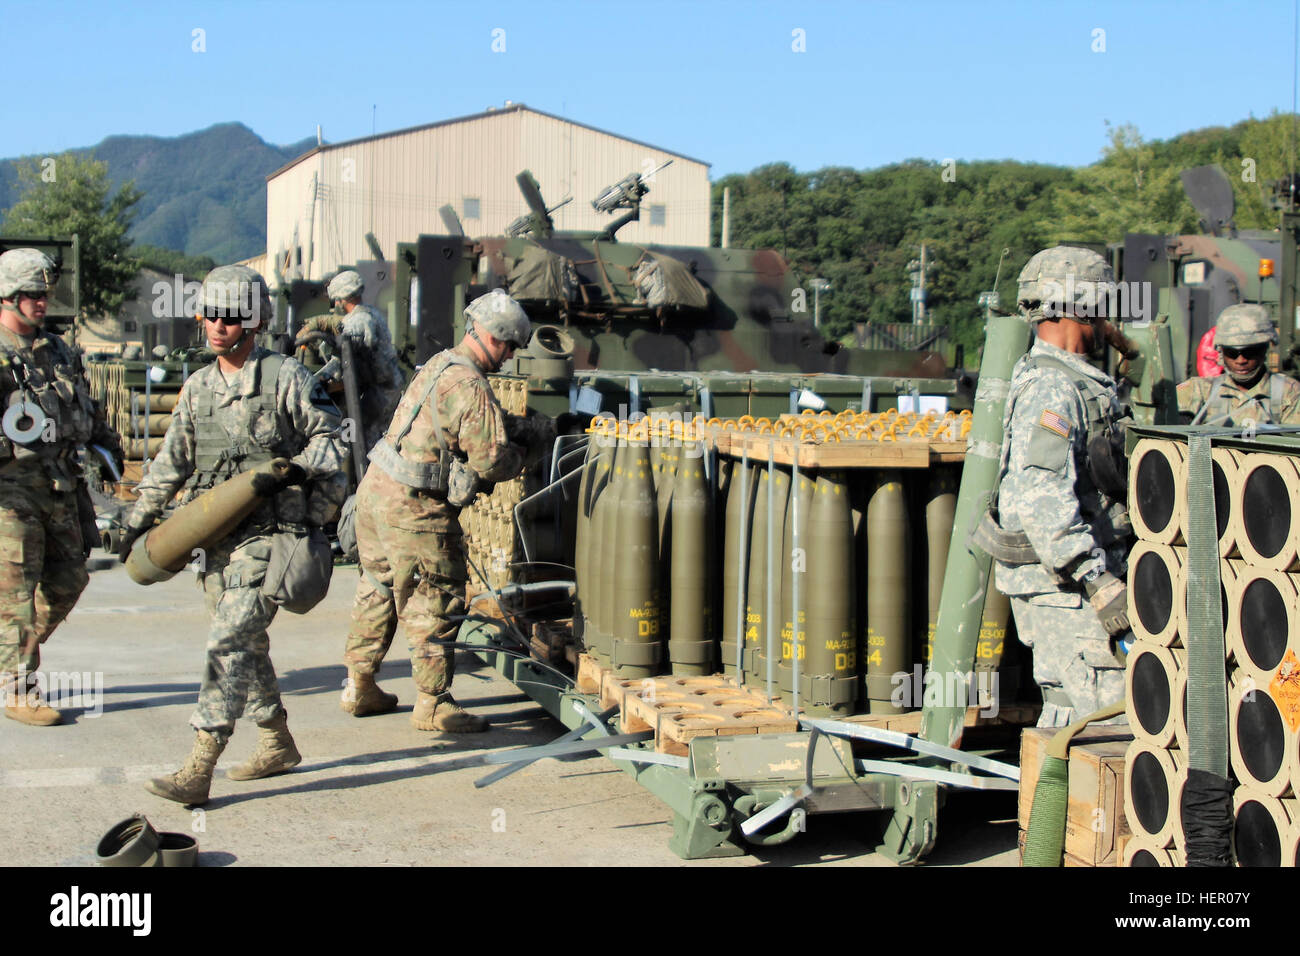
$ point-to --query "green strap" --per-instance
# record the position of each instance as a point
(1207, 683)
(1215, 386)
(1045, 838)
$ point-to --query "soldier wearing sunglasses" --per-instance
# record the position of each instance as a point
(1247, 391)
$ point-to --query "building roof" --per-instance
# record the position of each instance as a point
(493, 111)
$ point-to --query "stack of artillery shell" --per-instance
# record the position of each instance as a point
(491, 536)
(644, 550)
(802, 583)
(1257, 499)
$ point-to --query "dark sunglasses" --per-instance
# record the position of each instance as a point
(224, 319)
(1254, 351)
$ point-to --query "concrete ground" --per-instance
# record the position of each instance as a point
(369, 792)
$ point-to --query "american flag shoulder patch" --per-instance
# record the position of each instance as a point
(1054, 423)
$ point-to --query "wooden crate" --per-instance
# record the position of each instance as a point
(549, 640)
(1095, 825)
(680, 708)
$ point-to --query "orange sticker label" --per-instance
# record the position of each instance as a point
(1285, 690)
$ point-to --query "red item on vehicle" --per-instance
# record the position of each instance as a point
(1207, 358)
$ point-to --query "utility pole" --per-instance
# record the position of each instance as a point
(726, 217)
(818, 286)
(916, 270)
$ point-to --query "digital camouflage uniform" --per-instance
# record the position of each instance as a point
(410, 543)
(1047, 492)
(219, 429)
(379, 377)
(42, 520)
(375, 365)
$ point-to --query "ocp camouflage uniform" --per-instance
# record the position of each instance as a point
(412, 553)
(1274, 399)
(1047, 492)
(219, 429)
(46, 518)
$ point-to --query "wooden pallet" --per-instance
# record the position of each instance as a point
(680, 708)
(850, 453)
(910, 722)
(589, 675)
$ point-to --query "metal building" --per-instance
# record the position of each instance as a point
(320, 207)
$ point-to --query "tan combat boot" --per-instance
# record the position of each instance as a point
(441, 712)
(25, 706)
(362, 696)
(191, 783)
(276, 752)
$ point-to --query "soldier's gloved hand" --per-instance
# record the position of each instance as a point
(129, 536)
(297, 475)
(1108, 596)
(328, 324)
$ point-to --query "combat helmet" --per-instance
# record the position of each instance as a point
(501, 316)
(26, 270)
(1240, 326)
(232, 291)
(345, 285)
(1064, 276)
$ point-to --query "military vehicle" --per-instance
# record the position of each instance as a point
(1183, 282)
(723, 331)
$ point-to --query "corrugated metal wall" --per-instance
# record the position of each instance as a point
(394, 185)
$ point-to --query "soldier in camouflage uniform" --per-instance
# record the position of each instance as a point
(448, 437)
(47, 523)
(1245, 391)
(378, 375)
(1058, 526)
(247, 407)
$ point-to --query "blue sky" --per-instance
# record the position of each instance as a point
(877, 82)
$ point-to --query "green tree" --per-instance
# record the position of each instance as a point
(70, 194)
(1268, 147)
(173, 262)
(1130, 190)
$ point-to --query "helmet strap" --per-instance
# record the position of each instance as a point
(1249, 378)
(474, 335)
(487, 353)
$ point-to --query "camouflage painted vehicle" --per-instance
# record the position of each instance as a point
(684, 321)
(1187, 280)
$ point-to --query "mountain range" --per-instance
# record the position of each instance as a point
(204, 192)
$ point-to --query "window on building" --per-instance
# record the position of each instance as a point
(658, 214)
(471, 207)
